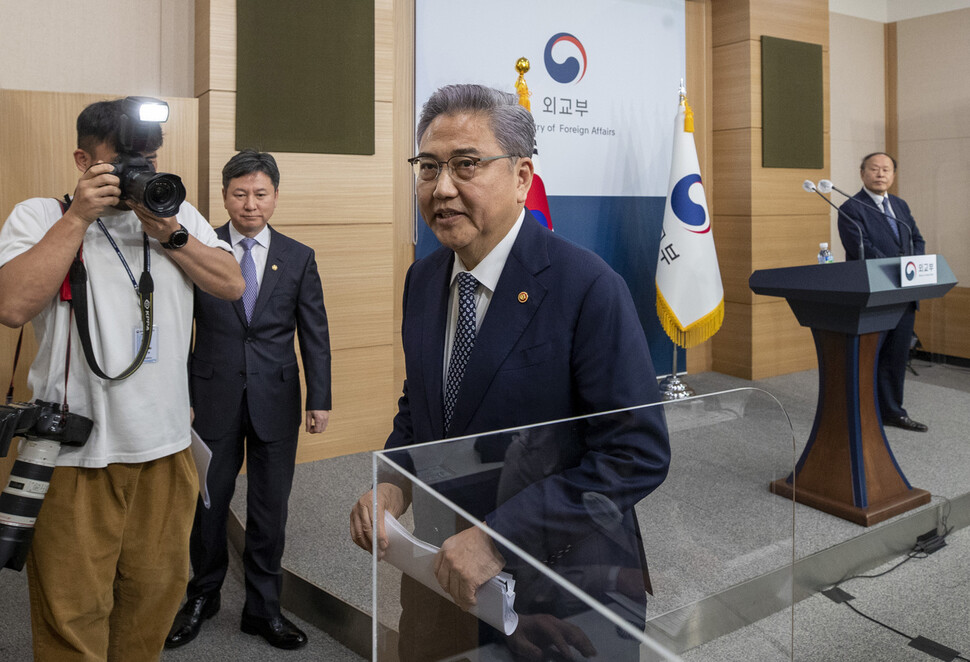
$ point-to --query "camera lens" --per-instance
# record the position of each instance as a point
(21, 500)
(164, 194)
(160, 192)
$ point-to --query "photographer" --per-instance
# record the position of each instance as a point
(110, 551)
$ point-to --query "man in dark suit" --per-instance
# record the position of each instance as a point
(246, 392)
(544, 330)
(884, 227)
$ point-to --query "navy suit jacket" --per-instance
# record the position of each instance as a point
(231, 357)
(561, 338)
(878, 239)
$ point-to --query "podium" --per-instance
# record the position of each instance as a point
(847, 468)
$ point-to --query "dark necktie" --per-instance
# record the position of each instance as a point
(890, 217)
(464, 341)
(248, 268)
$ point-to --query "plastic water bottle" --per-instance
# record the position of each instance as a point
(824, 254)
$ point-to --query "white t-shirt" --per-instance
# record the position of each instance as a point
(145, 416)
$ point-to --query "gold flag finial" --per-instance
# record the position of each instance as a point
(522, 66)
(688, 113)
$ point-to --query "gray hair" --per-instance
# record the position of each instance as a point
(511, 123)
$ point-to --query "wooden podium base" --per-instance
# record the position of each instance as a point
(863, 516)
(847, 468)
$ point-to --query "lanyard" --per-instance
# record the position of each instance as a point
(148, 260)
(144, 288)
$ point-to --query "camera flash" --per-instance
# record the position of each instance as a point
(153, 112)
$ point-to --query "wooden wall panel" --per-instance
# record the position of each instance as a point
(733, 163)
(734, 247)
(942, 324)
(215, 45)
(764, 219)
(403, 122)
(782, 345)
(364, 403)
(731, 22)
(800, 20)
(765, 242)
(737, 77)
(219, 110)
(355, 267)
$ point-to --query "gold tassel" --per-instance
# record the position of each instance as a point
(694, 334)
(688, 117)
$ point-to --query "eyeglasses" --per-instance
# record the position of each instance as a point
(462, 167)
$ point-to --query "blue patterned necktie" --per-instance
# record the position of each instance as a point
(890, 216)
(248, 268)
(464, 341)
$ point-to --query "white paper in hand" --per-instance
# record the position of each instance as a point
(415, 558)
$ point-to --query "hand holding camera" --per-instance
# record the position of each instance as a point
(97, 189)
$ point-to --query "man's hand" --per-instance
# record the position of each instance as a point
(541, 637)
(390, 498)
(466, 561)
(155, 227)
(96, 190)
(316, 420)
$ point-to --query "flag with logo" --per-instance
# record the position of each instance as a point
(690, 297)
(535, 201)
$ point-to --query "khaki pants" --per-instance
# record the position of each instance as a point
(110, 560)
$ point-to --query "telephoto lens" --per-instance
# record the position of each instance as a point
(21, 500)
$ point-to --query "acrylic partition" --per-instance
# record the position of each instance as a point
(600, 554)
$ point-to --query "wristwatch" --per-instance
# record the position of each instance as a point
(178, 238)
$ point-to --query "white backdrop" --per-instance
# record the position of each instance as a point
(604, 131)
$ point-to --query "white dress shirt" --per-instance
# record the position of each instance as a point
(259, 251)
(487, 273)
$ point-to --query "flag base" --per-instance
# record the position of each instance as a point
(672, 388)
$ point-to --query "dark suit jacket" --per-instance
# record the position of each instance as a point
(230, 354)
(575, 346)
(878, 239)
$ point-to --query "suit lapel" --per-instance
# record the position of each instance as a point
(275, 264)
(505, 322)
(223, 233)
(434, 319)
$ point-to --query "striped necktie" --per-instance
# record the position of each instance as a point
(890, 216)
(464, 341)
(248, 268)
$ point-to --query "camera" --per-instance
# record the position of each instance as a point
(160, 192)
(15, 419)
(45, 426)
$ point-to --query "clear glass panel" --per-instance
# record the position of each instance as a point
(571, 510)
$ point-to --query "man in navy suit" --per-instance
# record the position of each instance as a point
(246, 392)
(545, 330)
(887, 233)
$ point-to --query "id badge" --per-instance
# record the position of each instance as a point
(152, 355)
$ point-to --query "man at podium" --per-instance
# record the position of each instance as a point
(875, 224)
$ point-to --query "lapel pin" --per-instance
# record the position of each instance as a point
(274, 267)
(523, 297)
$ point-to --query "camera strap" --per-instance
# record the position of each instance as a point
(77, 279)
(16, 359)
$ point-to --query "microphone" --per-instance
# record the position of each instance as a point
(810, 187)
(825, 186)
